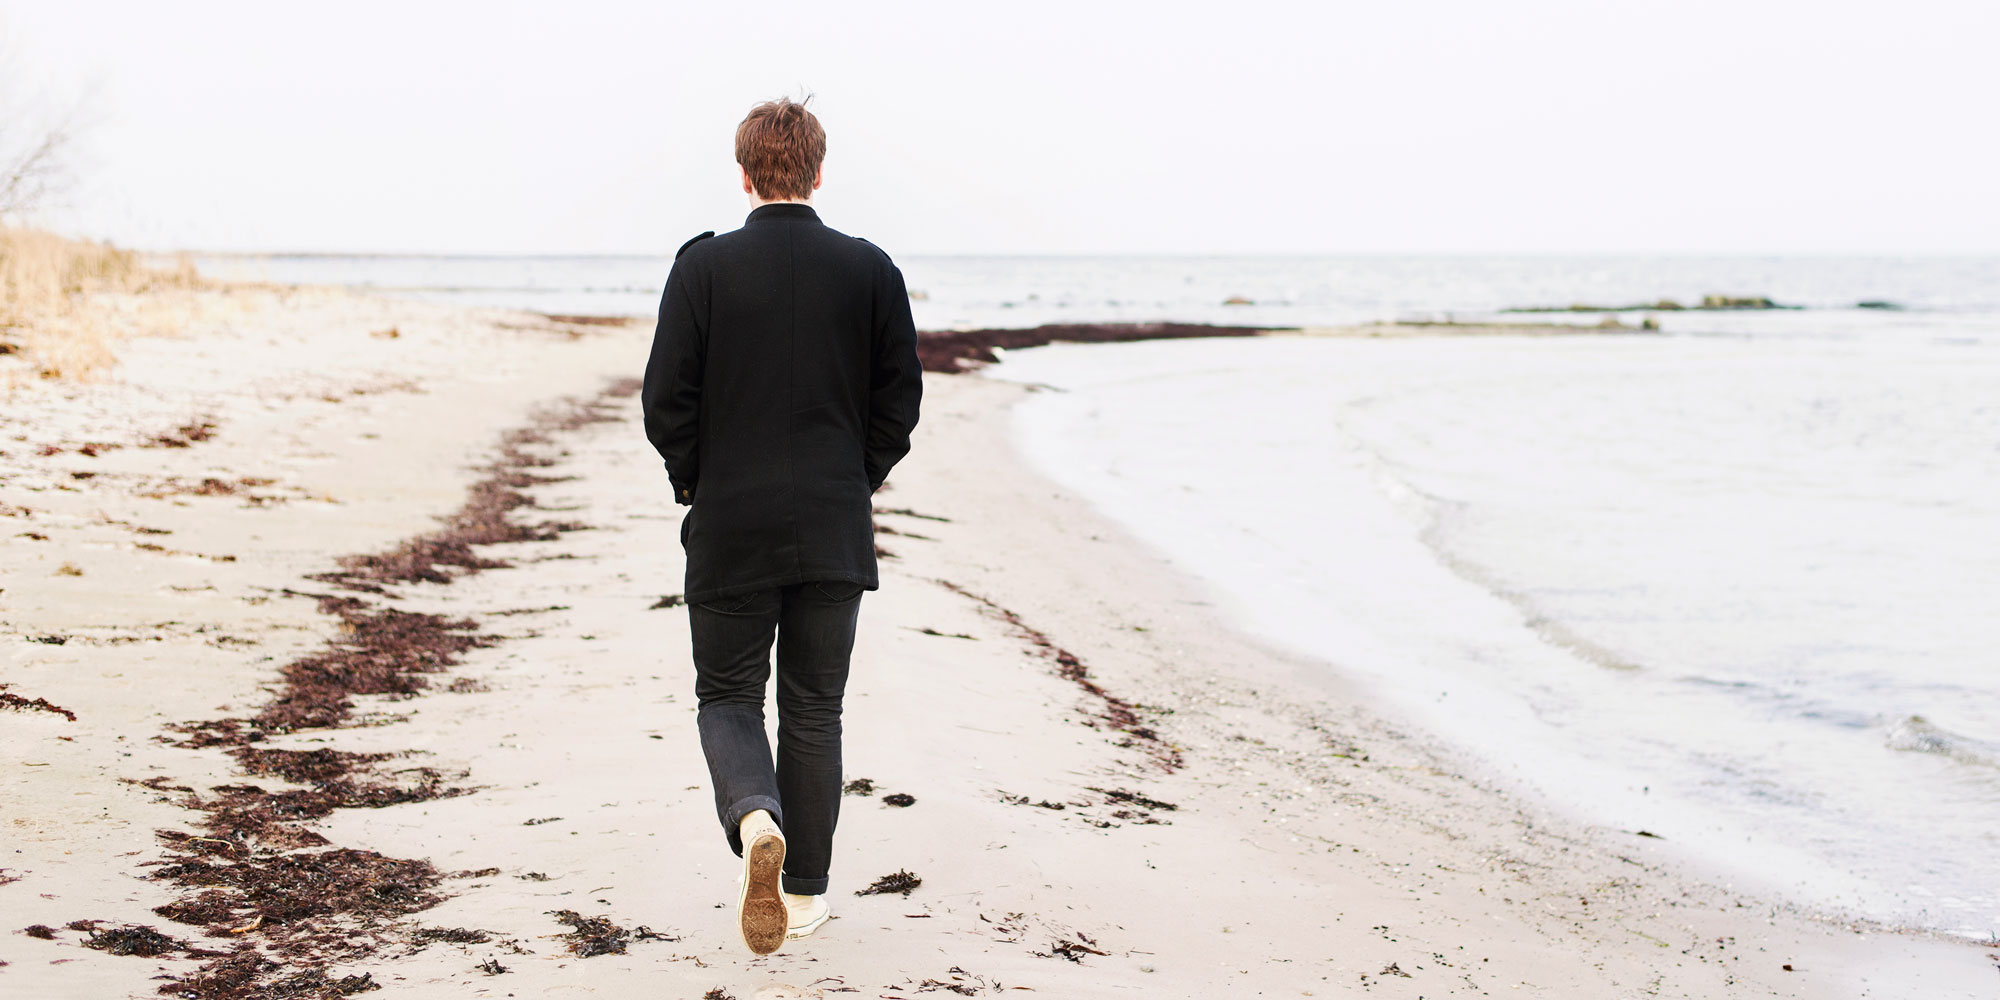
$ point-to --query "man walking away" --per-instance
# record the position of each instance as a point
(782, 388)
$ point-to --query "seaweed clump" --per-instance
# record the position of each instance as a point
(180, 437)
(1023, 800)
(1072, 950)
(285, 896)
(590, 936)
(18, 703)
(962, 989)
(484, 519)
(1134, 798)
(379, 651)
(142, 941)
(453, 935)
(248, 975)
(901, 881)
(957, 351)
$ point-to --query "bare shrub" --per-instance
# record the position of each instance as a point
(38, 132)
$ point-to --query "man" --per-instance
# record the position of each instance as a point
(782, 388)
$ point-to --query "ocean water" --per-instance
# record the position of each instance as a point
(1739, 592)
(1736, 584)
(1943, 297)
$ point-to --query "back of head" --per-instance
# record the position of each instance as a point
(780, 145)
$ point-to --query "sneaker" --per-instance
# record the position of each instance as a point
(808, 913)
(760, 906)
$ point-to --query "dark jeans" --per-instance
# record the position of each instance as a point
(813, 624)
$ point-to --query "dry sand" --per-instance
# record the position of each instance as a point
(1115, 793)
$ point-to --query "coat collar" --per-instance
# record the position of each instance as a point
(782, 210)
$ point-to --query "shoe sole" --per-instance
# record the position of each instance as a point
(761, 912)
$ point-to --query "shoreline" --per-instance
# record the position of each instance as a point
(955, 352)
(1341, 559)
(1310, 689)
(1058, 664)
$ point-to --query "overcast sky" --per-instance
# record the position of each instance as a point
(1073, 127)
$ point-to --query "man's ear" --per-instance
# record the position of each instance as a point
(748, 188)
(820, 177)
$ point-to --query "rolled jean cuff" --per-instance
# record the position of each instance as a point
(732, 819)
(805, 886)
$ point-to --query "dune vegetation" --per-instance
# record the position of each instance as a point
(63, 302)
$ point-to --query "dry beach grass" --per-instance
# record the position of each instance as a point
(64, 302)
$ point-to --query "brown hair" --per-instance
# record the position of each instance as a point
(780, 145)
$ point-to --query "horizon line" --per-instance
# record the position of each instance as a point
(1087, 255)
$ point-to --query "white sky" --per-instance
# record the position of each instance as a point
(1074, 127)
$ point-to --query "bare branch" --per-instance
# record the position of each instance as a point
(34, 140)
(30, 176)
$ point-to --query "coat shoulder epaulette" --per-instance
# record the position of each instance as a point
(692, 242)
(884, 253)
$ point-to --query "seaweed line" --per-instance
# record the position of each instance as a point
(1117, 713)
(254, 869)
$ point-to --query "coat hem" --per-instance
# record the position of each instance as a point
(867, 581)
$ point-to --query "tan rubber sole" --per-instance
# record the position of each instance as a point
(761, 913)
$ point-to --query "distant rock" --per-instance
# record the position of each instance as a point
(1876, 304)
(1663, 305)
(1738, 302)
(1237, 300)
(1712, 302)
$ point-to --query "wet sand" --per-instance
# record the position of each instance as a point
(379, 678)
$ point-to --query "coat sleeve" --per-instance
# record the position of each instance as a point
(896, 379)
(671, 397)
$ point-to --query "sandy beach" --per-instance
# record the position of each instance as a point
(344, 651)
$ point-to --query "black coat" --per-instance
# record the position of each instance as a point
(782, 388)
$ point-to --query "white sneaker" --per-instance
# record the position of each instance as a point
(761, 913)
(808, 912)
